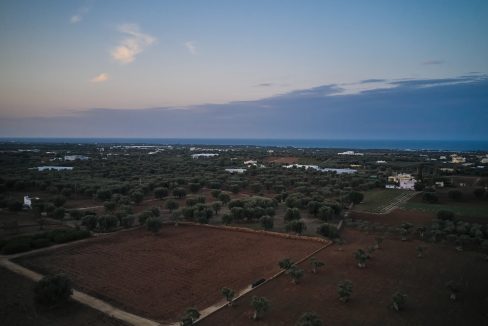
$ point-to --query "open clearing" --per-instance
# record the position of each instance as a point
(395, 267)
(383, 201)
(159, 276)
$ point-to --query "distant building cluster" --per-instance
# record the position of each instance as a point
(194, 156)
(54, 168)
(351, 153)
(76, 158)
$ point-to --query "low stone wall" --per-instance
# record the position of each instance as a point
(262, 232)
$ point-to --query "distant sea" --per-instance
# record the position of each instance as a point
(441, 145)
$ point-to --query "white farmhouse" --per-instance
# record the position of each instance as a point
(75, 157)
(401, 181)
(240, 170)
(457, 159)
(194, 156)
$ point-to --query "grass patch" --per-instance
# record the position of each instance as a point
(459, 209)
(376, 199)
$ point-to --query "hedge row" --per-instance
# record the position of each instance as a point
(41, 240)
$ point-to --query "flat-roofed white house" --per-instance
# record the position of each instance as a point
(203, 155)
(401, 181)
(237, 170)
(457, 159)
(55, 168)
(76, 157)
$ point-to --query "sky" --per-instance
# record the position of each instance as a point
(277, 69)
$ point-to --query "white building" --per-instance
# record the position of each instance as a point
(381, 162)
(27, 202)
(240, 170)
(457, 159)
(75, 157)
(350, 153)
(251, 162)
(55, 168)
(401, 181)
(203, 155)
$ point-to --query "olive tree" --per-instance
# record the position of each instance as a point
(309, 319)
(229, 295)
(260, 306)
(154, 224)
(399, 300)
(295, 273)
(316, 264)
(344, 289)
(53, 290)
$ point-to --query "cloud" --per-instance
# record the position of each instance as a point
(134, 43)
(265, 85)
(80, 14)
(433, 62)
(446, 110)
(191, 47)
(100, 78)
(367, 81)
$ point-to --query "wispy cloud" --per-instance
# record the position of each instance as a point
(134, 43)
(191, 47)
(100, 78)
(80, 14)
(433, 62)
(265, 85)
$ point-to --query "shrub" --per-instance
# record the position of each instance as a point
(309, 319)
(296, 226)
(355, 197)
(430, 197)
(172, 205)
(267, 222)
(285, 263)
(295, 273)
(59, 201)
(161, 192)
(344, 289)
(15, 206)
(52, 290)
(227, 219)
(260, 306)
(40, 243)
(398, 301)
(59, 213)
(154, 224)
(189, 317)
(455, 195)
(479, 192)
(76, 214)
(128, 221)
(328, 231)
(137, 197)
(89, 221)
(107, 223)
(445, 215)
(228, 294)
(16, 245)
(142, 217)
(292, 214)
(63, 236)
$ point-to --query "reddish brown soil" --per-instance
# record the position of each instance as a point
(393, 268)
(395, 217)
(17, 307)
(160, 276)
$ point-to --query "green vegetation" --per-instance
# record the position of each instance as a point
(344, 289)
(309, 319)
(260, 306)
(53, 290)
(41, 240)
